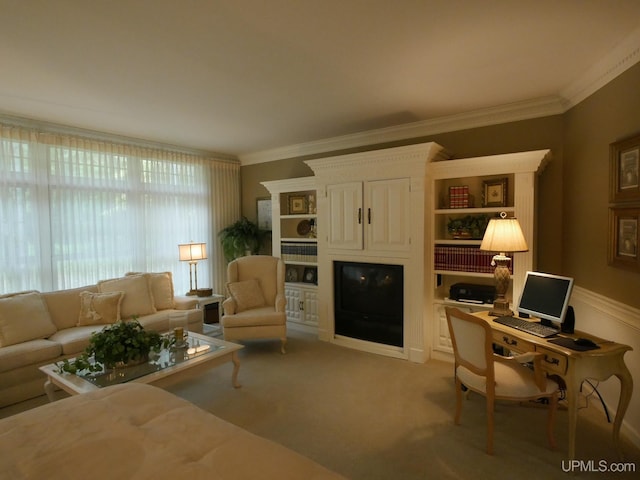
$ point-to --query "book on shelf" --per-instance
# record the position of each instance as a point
(459, 197)
(299, 252)
(467, 258)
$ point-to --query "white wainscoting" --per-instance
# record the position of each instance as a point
(611, 320)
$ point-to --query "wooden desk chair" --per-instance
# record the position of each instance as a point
(479, 369)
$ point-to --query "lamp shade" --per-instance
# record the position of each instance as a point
(504, 235)
(192, 251)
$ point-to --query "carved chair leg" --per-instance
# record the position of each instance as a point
(284, 342)
(458, 402)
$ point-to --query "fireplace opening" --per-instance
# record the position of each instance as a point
(369, 302)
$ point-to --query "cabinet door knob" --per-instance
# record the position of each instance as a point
(359, 216)
(369, 216)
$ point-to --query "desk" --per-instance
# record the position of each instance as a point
(573, 367)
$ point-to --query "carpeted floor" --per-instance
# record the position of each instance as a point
(372, 417)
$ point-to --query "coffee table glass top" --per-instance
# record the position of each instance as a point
(194, 347)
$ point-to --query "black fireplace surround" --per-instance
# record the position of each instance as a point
(369, 302)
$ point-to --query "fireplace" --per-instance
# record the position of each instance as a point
(369, 302)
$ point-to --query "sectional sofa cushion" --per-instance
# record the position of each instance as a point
(161, 289)
(99, 308)
(137, 300)
(23, 317)
(247, 294)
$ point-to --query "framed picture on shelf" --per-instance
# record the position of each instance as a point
(624, 170)
(310, 275)
(297, 204)
(263, 206)
(292, 274)
(494, 193)
(623, 237)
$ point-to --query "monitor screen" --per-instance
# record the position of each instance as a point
(546, 296)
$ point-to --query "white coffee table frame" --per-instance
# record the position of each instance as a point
(74, 384)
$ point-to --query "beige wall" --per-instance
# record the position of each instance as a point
(609, 115)
(573, 195)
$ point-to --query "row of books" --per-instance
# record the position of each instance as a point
(464, 259)
(459, 197)
(299, 252)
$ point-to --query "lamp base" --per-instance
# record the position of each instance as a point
(501, 309)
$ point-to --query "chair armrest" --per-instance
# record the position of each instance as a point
(281, 302)
(536, 358)
(182, 302)
(229, 306)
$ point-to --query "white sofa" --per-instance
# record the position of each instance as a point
(41, 328)
(139, 431)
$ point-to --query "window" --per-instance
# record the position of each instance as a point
(75, 210)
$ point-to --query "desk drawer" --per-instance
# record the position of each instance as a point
(553, 362)
(511, 342)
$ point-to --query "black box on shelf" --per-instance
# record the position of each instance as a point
(473, 293)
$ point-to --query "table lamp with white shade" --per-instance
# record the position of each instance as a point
(502, 235)
(192, 253)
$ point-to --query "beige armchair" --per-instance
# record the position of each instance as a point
(494, 376)
(255, 307)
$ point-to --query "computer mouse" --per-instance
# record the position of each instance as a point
(584, 342)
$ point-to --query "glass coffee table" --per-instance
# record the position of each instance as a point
(168, 366)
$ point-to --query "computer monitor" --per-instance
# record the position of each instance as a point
(546, 296)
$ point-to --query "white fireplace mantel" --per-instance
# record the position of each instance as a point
(411, 164)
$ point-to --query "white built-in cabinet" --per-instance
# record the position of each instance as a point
(372, 209)
(372, 215)
(294, 239)
(302, 304)
(390, 206)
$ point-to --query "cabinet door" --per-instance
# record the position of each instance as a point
(388, 215)
(345, 216)
(310, 306)
(293, 311)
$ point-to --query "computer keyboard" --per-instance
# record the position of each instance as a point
(534, 328)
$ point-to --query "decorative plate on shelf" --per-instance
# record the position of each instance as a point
(304, 227)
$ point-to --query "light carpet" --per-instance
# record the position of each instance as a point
(372, 417)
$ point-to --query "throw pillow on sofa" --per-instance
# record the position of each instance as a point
(247, 294)
(23, 317)
(137, 300)
(99, 308)
(161, 289)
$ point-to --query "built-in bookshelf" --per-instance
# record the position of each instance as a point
(294, 239)
(466, 194)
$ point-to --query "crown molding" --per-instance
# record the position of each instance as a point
(621, 58)
(512, 112)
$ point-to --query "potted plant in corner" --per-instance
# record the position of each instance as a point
(122, 344)
(241, 238)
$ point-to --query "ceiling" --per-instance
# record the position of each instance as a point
(258, 79)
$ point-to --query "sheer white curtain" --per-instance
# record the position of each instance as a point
(94, 209)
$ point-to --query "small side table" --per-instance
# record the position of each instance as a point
(211, 306)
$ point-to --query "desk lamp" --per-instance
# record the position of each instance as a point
(502, 235)
(192, 252)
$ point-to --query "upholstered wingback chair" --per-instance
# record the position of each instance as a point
(255, 307)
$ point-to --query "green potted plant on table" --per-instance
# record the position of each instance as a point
(241, 238)
(122, 344)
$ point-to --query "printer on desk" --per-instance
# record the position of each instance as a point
(472, 293)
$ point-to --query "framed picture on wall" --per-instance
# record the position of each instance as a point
(624, 170)
(623, 238)
(264, 213)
